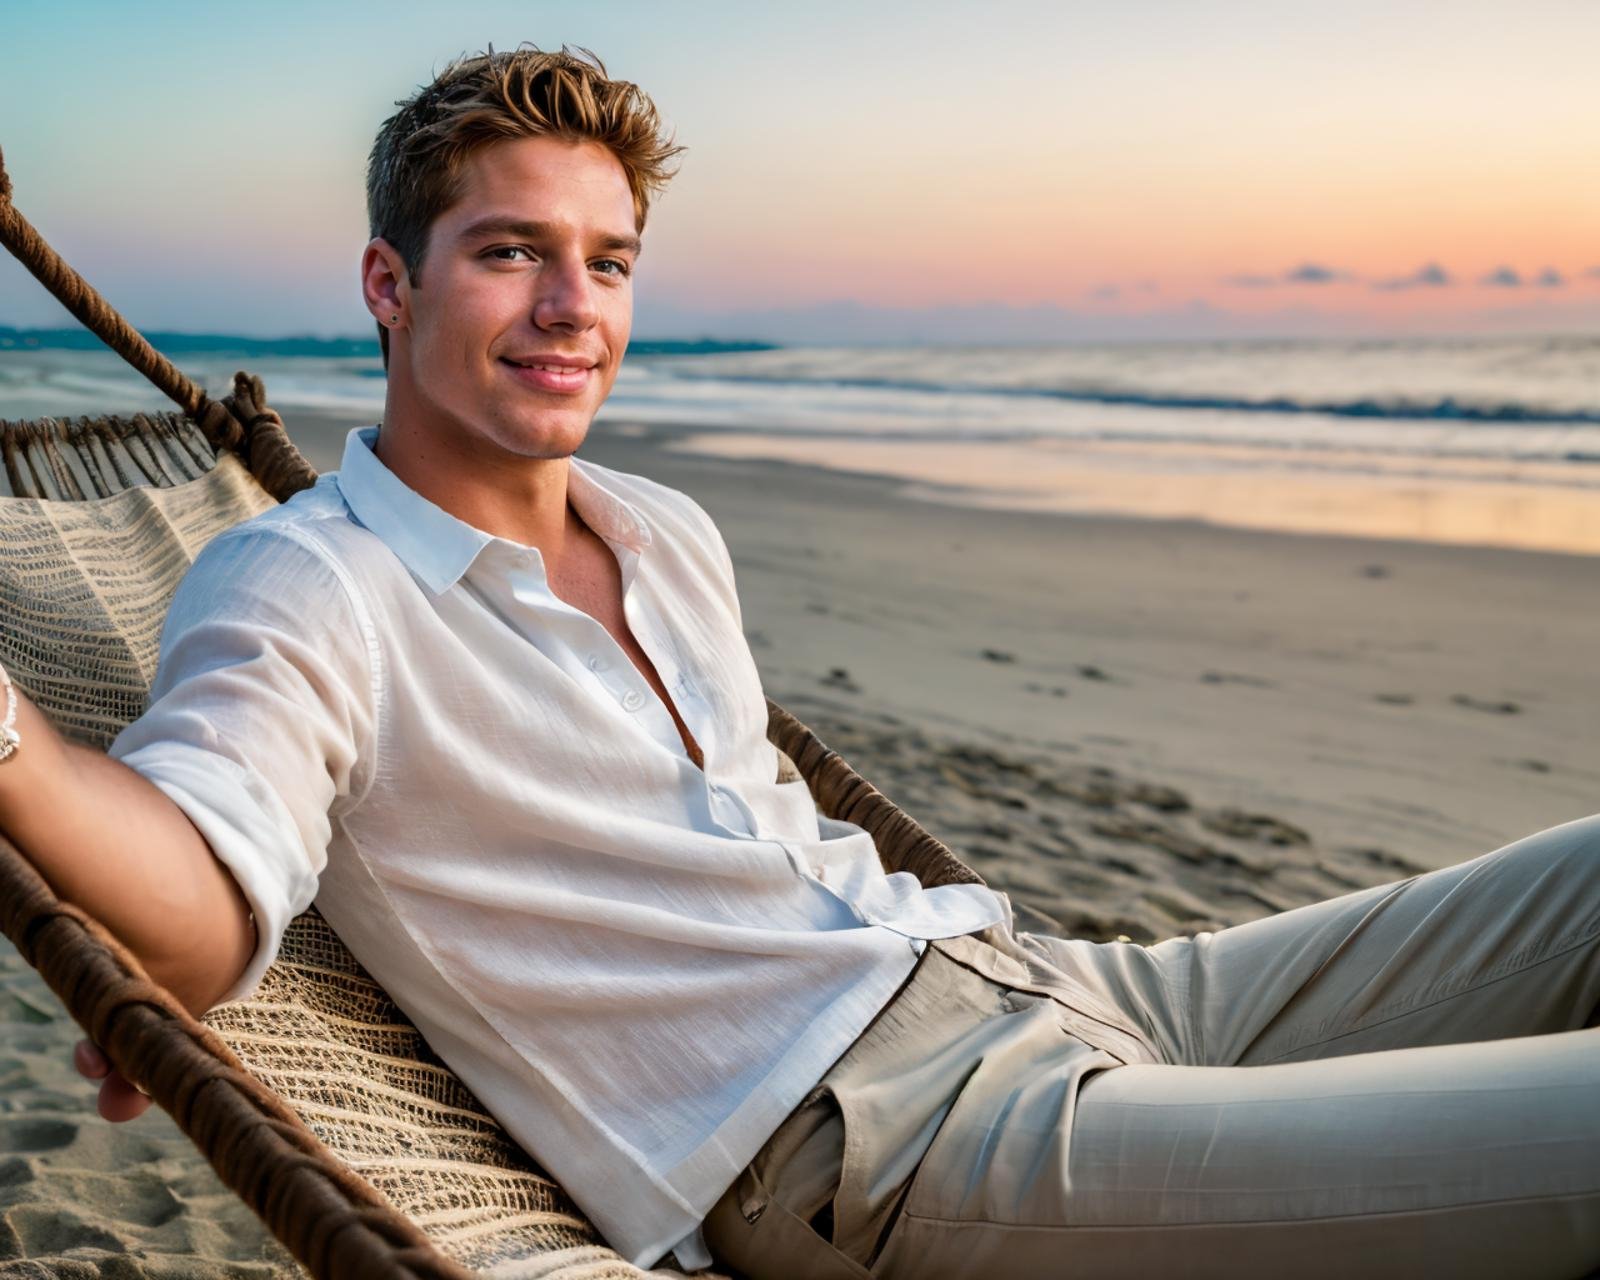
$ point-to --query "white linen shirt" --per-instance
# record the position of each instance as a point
(638, 965)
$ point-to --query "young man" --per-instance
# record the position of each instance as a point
(491, 706)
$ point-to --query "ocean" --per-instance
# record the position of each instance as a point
(1375, 438)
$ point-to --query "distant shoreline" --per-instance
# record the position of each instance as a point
(220, 344)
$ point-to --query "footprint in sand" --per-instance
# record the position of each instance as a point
(839, 678)
(1054, 690)
(16, 1171)
(43, 1229)
(1253, 826)
(29, 1134)
(998, 655)
(1236, 677)
(1491, 705)
(1156, 796)
(1395, 699)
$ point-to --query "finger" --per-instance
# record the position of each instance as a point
(89, 1061)
(120, 1100)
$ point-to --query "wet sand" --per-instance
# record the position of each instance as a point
(1136, 727)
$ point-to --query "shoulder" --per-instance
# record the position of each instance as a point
(304, 556)
(272, 589)
(312, 532)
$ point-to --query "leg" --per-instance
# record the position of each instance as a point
(1047, 1158)
(1464, 1160)
(1506, 944)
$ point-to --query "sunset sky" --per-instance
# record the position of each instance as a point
(874, 172)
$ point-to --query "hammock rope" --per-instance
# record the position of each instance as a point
(241, 422)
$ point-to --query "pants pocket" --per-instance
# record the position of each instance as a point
(1001, 1154)
(751, 1231)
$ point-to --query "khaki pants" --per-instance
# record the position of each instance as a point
(1396, 1082)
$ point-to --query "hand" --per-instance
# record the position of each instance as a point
(120, 1098)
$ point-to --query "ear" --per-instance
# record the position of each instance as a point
(385, 283)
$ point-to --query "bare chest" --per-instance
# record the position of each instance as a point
(589, 579)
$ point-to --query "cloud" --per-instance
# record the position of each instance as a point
(1503, 278)
(1316, 273)
(1428, 276)
(1593, 273)
(1125, 290)
(1305, 273)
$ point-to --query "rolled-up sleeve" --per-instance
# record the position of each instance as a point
(261, 718)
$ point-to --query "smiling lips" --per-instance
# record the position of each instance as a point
(562, 374)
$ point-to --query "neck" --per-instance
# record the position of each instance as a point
(523, 500)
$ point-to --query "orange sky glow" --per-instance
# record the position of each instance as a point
(1103, 160)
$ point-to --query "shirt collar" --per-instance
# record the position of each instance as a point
(602, 510)
(436, 546)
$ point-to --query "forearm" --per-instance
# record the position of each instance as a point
(110, 842)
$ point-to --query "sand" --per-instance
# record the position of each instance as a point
(1136, 727)
(81, 1198)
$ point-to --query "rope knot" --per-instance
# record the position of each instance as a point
(216, 419)
(266, 448)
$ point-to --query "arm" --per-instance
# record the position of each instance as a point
(110, 842)
(215, 803)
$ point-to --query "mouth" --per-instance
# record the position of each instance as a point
(560, 376)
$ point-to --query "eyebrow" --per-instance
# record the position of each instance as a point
(493, 225)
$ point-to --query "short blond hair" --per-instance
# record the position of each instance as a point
(415, 170)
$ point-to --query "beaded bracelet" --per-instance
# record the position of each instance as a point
(9, 741)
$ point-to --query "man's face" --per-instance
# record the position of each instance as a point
(532, 266)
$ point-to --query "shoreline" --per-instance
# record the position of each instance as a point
(1531, 506)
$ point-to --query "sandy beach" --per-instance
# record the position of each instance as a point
(1136, 727)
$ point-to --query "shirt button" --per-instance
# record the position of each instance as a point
(632, 700)
(597, 663)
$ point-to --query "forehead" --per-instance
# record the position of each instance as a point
(548, 178)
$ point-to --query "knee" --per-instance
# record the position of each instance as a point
(1579, 838)
(1569, 852)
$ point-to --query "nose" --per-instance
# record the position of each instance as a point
(566, 298)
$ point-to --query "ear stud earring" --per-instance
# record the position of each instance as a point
(394, 319)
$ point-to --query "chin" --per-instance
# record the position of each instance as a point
(543, 440)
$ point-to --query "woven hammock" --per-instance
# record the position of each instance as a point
(315, 1100)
